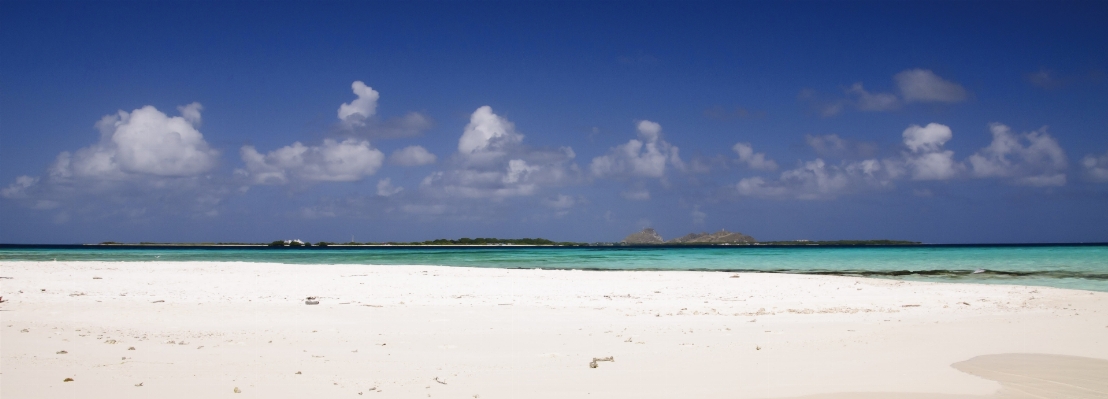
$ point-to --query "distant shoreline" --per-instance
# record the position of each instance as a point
(583, 245)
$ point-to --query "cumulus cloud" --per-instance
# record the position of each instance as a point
(647, 156)
(493, 163)
(143, 142)
(751, 159)
(867, 101)
(830, 144)
(1033, 159)
(1038, 163)
(412, 156)
(348, 160)
(191, 113)
(926, 158)
(359, 117)
(488, 136)
(142, 157)
(1096, 167)
(18, 189)
(356, 112)
(922, 85)
(386, 189)
(811, 181)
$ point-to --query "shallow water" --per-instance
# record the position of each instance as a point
(1064, 266)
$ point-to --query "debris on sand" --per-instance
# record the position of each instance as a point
(311, 300)
(237, 390)
(138, 385)
(158, 301)
(440, 381)
(62, 352)
(593, 365)
(67, 379)
(97, 278)
(131, 348)
(110, 341)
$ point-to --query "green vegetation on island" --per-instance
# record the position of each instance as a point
(842, 242)
(645, 237)
(488, 241)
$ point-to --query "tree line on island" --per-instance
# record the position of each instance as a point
(647, 236)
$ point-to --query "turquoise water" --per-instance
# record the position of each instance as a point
(1065, 266)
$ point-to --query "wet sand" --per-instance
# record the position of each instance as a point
(203, 329)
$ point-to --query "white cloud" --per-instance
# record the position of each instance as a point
(487, 136)
(1038, 163)
(493, 163)
(921, 85)
(412, 156)
(1096, 167)
(143, 142)
(18, 189)
(646, 156)
(359, 118)
(348, 160)
(928, 138)
(386, 189)
(751, 159)
(867, 101)
(927, 159)
(813, 180)
(142, 157)
(830, 144)
(356, 112)
(191, 113)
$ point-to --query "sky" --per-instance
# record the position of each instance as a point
(939, 122)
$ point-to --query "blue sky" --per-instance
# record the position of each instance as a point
(254, 121)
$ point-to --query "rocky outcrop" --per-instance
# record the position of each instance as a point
(719, 237)
(646, 236)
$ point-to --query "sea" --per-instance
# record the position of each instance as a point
(1072, 266)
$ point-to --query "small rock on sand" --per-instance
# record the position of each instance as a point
(62, 352)
(67, 379)
(237, 390)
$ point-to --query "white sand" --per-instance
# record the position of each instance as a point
(391, 331)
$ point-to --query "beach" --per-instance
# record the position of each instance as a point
(237, 330)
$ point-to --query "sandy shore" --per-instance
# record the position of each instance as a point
(203, 330)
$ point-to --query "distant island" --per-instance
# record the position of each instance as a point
(646, 236)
